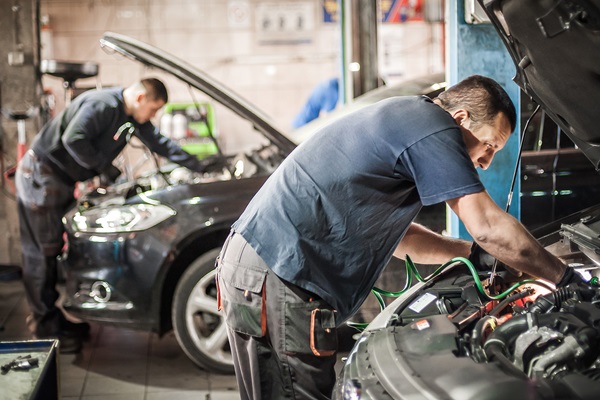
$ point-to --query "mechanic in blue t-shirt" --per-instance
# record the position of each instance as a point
(310, 245)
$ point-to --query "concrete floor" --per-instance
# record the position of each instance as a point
(118, 363)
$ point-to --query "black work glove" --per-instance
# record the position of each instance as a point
(484, 261)
(109, 175)
(481, 259)
(570, 276)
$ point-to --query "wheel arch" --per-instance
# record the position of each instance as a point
(192, 248)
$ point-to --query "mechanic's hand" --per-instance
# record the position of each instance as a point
(570, 276)
(109, 175)
(484, 261)
(481, 259)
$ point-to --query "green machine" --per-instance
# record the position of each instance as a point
(193, 126)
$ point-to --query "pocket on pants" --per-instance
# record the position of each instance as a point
(38, 188)
(242, 296)
(310, 329)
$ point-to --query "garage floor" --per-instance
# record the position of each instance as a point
(118, 363)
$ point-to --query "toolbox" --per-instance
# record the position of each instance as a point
(29, 370)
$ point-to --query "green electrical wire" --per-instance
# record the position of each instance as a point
(379, 299)
(411, 270)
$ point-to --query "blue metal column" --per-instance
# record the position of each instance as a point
(477, 49)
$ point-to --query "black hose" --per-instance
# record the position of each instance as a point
(509, 331)
(477, 338)
(477, 333)
(505, 335)
(552, 301)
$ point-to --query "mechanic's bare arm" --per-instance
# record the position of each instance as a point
(501, 235)
(427, 247)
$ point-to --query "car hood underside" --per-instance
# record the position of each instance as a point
(555, 45)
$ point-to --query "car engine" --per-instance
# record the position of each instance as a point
(553, 341)
(257, 162)
(457, 335)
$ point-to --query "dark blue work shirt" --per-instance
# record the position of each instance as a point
(330, 217)
(84, 139)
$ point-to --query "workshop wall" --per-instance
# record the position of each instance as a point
(19, 92)
(236, 41)
(226, 39)
(250, 45)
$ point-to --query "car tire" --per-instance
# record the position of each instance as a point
(199, 327)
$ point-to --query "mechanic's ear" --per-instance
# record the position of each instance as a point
(461, 116)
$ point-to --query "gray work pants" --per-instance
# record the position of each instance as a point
(283, 339)
(42, 200)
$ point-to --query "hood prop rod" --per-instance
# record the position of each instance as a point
(512, 184)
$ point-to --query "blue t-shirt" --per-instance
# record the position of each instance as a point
(330, 217)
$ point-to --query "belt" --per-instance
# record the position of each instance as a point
(62, 175)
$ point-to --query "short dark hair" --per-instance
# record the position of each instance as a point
(483, 98)
(155, 89)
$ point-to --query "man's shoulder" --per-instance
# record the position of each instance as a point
(416, 100)
(401, 106)
(108, 95)
(99, 100)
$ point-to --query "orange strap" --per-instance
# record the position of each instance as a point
(314, 349)
(263, 311)
(219, 302)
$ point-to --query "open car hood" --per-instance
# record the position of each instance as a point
(555, 45)
(154, 57)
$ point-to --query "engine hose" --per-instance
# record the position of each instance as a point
(552, 301)
(508, 331)
(477, 336)
(504, 336)
(490, 320)
(584, 340)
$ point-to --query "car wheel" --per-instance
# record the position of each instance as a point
(199, 327)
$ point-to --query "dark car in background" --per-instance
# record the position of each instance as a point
(141, 253)
(468, 335)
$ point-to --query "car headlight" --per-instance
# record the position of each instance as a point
(124, 218)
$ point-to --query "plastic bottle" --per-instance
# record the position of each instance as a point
(166, 122)
(179, 125)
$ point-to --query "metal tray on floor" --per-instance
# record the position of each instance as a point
(40, 382)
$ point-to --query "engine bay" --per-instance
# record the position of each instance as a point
(549, 340)
(457, 336)
(257, 162)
